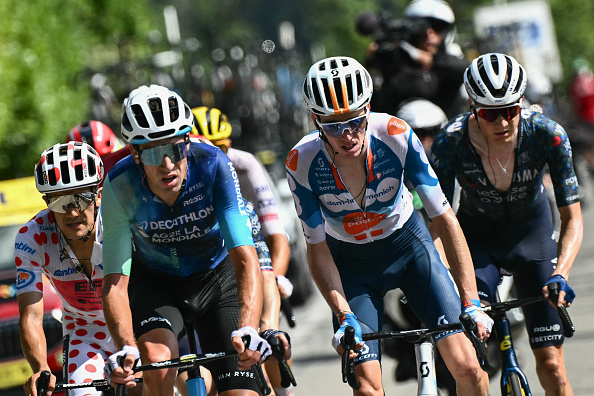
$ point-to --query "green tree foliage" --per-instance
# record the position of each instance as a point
(45, 45)
(49, 47)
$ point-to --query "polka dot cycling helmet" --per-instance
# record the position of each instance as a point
(337, 85)
(154, 113)
(96, 134)
(495, 80)
(68, 166)
(211, 123)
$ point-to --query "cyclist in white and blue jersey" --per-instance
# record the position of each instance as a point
(178, 246)
(363, 235)
(498, 153)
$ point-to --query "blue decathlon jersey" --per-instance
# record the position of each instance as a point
(208, 217)
(324, 205)
(541, 142)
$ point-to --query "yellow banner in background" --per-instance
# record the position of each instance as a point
(19, 201)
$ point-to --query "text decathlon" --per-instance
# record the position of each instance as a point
(181, 220)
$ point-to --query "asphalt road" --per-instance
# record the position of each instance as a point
(317, 367)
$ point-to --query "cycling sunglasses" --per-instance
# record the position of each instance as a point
(154, 156)
(336, 129)
(490, 114)
(80, 201)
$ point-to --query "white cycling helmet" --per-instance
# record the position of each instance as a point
(154, 113)
(495, 80)
(422, 114)
(337, 85)
(437, 9)
(68, 166)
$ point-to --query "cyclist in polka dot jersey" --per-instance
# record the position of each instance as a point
(64, 242)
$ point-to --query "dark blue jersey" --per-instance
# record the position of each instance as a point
(541, 142)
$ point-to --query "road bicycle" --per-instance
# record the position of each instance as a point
(424, 352)
(195, 383)
(513, 380)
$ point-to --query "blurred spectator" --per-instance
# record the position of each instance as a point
(416, 57)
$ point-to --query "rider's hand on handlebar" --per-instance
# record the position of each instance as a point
(255, 350)
(285, 287)
(284, 338)
(116, 374)
(348, 319)
(566, 293)
(484, 322)
(30, 386)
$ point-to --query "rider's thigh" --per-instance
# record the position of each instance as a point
(369, 375)
(460, 357)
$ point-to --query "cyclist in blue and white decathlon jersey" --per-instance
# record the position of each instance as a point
(364, 237)
(498, 153)
(178, 247)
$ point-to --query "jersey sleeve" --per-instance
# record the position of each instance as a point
(563, 176)
(29, 259)
(117, 236)
(423, 178)
(255, 188)
(306, 203)
(229, 205)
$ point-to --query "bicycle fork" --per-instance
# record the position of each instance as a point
(509, 361)
(426, 369)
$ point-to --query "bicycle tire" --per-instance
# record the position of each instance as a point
(514, 385)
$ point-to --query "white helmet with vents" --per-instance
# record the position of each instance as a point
(154, 113)
(337, 85)
(495, 80)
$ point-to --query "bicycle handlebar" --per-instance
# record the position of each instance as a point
(287, 310)
(287, 377)
(470, 328)
(412, 336)
(183, 362)
(503, 306)
(348, 368)
(568, 327)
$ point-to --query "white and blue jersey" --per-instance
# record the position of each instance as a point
(325, 206)
(192, 236)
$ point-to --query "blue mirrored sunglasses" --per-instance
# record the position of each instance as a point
(154, 156)
(336, 129)
(60, 204)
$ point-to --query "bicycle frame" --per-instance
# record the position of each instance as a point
(427, 380)
(509, 361)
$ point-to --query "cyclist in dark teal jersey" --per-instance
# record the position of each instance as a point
(177, 237)
(498, 153)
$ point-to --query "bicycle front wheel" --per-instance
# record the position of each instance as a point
(514, 385)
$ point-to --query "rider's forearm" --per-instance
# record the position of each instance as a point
(116, 307)
(271, 302)
(326, 276)
(249, 285)
(33, 342)
(570, 238)
(280, 253)
(458, 254)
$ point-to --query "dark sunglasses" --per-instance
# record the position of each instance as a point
(80, 201)
(336, 129)
(490, 114)
(154, 156)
